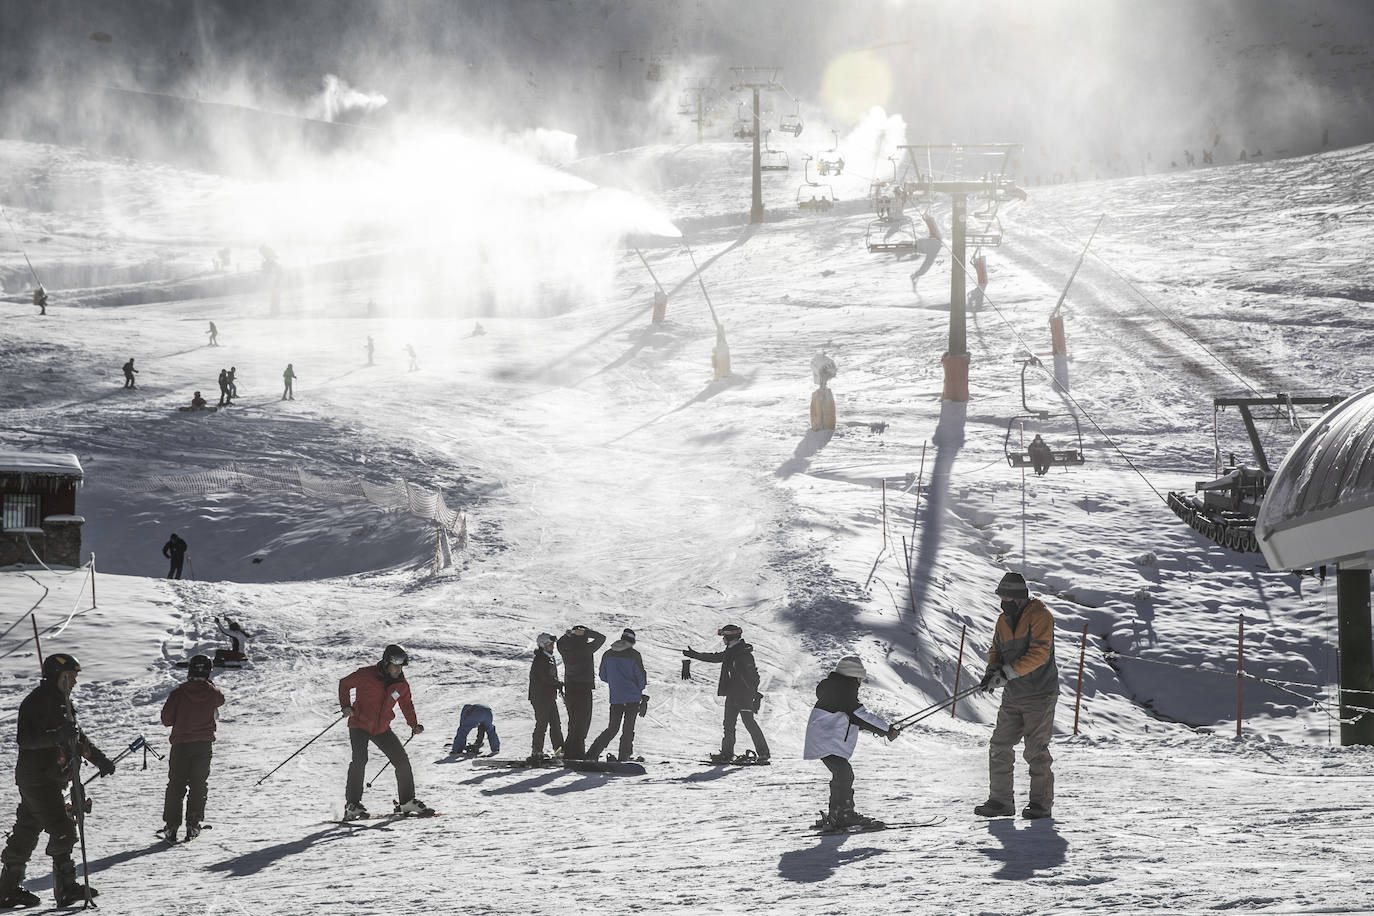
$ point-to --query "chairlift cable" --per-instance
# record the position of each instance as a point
(1063, 393)
(1148, 301)
(20, 244)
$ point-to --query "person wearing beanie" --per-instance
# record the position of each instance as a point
(578, 647)
(543, 695)
(622, 669)
(832, 733)
(376, 691)
(1021, 664)
(190, 711)
(739, 684)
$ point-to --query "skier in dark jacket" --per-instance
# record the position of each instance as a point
(288, 377)
(831, 735)
(51, 744)
(544, 689)
(578, 648)
(129, 373)
(739, 684)
(174, 550)
(622, 669)
(377, 690)
(224, 398)
(190, 710)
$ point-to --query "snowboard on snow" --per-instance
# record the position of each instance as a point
(613, 767)
(389, 817)
(747, 759)
(877, 827)
(500, 764)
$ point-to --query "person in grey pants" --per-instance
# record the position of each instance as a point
(1021, 663)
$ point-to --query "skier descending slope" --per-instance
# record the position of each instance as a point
(831, 735)
(378, 689)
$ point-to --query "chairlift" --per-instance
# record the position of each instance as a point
(895, 234)
(772, 160)
(792, 124)
(985, 229)
(814, 196)
(1043, 457)
(744, 123)
(831, 161)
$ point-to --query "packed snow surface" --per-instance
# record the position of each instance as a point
(608, 481)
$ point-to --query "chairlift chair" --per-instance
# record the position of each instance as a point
(815, 197)
(792, 124)
(895, 234)
(772, 160)
(1019, 457)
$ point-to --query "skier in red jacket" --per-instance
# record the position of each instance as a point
(191, 711)
(377, 689)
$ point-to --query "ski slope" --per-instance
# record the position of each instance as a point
(609, 481)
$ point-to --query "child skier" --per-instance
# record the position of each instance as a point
(831, 735)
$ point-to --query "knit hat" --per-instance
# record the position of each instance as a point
(1013, 585)
(544, 640)
(627, 634)
(851, 666)
(730, 631)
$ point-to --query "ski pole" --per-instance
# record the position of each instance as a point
(388, 762)
(133, 746)
(301, 748)
(930, 710)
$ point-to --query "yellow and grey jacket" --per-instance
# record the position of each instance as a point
(1023, 648)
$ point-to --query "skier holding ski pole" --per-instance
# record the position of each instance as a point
(274, 769)
(51, 745)
(387, 764)
(133, 746)
(378, 689)
(832, 733)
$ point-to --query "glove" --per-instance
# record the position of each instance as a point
(416, 729)
(346, 710)
(66, 734)
(689, 653)
(104, 765)
(994, 680)
(893, 732)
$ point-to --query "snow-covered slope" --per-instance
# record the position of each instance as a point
(609, 481)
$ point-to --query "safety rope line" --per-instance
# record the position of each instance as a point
(21, 617)
(1148, 301)
(39, 561)
(1063, 392)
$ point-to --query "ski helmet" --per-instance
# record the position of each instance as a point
(58, 662)
(199, 666)
(395, 655)
(730, 631)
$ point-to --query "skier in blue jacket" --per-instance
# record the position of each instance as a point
(623, 671)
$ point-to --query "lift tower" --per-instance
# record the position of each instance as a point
(959, 169)
(756, 78)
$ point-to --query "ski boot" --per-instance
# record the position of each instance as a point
(1034, 812)
(825, 823)
(354, 811)
(722, 758)
(413, 808)
(66, 890)
(192, 831)
(169, 834)
(12, 893)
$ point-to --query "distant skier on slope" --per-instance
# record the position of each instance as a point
(739, 684)
(288, 376)
(129, 373)
(51, 744)
(1021, 662)
(831, 735)
(190, 711)
(369, 697)
(233, 382)
(224, 387)
(414, 360)
(543, 695)
(479, 717)
(214, 335)
(174, 550)
(622, 669)
(578, 648)
(40, 299)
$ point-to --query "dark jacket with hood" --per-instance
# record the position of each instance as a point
(43, 758)
(544, 682)
(579, 668)
(739, 676)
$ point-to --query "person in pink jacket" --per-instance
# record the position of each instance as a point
(191, 711)
(375, 691)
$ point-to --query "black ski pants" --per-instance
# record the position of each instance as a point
(622, 720)
(546, 719)
(188, 775)
(174, 571)
(41, 808)
(841, 781)
(389, 745)
(579, 701)
(734, 712)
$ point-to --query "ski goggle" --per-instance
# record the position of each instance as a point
(396, 659)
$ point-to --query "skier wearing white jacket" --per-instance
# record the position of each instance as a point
(831, 735)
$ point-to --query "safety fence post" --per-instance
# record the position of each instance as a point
(1240, 667)
(33, 619)
(92, 580)
(959, 668)
(884, 513)
(1078, 691)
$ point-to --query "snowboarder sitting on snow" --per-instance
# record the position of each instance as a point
(190, 711)
(831, 735)
(739, 684)
(174, 550)
(237, 654)
(543, 695)
(129, 373)
(1021, 661)
(578, 648)
(622, 669)
(51, 744)
(477, 716)
(1040, 455)
(198, 402)
(376, 690)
